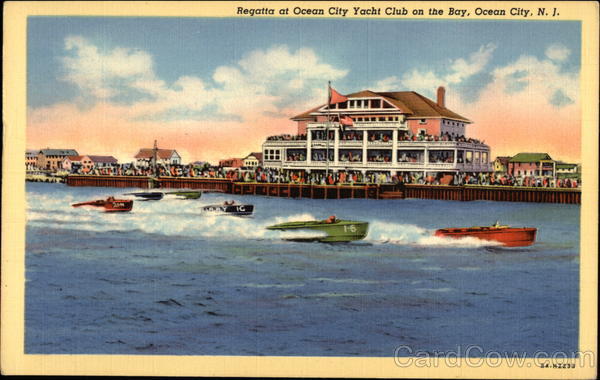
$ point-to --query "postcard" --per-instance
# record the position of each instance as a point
(300, 189)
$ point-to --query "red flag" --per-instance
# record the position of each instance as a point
(335, 97)
(346, 121)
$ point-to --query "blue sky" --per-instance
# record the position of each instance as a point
(370, 49)
(224, 78)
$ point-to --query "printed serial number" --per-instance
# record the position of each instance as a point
(558, 365)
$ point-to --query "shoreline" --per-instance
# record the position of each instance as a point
(339, 191)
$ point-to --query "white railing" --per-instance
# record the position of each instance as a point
(285, 143)
(379, 143)
(361, 125)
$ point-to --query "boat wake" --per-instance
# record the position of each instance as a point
(166, 218)
(381, 232)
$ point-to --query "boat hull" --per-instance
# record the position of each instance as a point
(186, 194)
(509, 237)
(235, 210)
(116, 205)
(153, 196)
(341, 231)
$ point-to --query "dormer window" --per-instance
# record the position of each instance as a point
(423, 121)
(375, 103)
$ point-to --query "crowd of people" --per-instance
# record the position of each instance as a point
(274, 175)
(376, 137)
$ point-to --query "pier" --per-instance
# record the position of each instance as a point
(357, 191)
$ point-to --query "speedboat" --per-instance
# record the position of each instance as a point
(186, 194)
(109, 204)
(148, 196)
(508, 236)
(336, 230)
(229, 208)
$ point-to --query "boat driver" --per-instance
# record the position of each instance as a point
(331, 219)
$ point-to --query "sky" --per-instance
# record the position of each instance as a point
(215, 88)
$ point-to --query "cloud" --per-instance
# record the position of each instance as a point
(464, 68)
(101, 73)
(542, 77)
(455, 72)
(557, 52)
(212, 118)
(528, 104)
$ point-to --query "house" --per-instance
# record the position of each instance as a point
(392, 133)
(75, 163)
(500, 164)
(531, 164)
(31, 157)
(100, 162)
(52, 159)
(566, 170)
(145, 157)
(253, 160)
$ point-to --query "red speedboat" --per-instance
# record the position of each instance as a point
(508, 236)
(110, 204)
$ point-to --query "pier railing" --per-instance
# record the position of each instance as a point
(357, 190)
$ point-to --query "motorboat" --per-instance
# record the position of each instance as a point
(508, 236)
(109, 204)
(148, 196)
(229, 208)
(186, 194)
(336, 230)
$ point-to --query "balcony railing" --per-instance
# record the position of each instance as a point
(361, 125)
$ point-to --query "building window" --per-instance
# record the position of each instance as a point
(350, 155)
(375, 103)
(423, 121)
(441, 156)
(413, 156)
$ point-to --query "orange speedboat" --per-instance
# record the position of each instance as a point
(508, 236)
(110, 204)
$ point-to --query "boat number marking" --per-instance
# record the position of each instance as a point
(351, 228)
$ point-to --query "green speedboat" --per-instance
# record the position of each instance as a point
(336, 230)
(186, 194)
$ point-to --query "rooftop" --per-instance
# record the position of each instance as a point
(163, 154)
(411, 103)
(531, 157)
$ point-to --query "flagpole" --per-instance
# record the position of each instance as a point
(327, 132)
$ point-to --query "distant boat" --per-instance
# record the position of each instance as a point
(337, 230)
(508, 236)
(109, 204)
(186, 194)
(148, 196)
(229, 208)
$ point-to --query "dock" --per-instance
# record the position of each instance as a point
(355, 191)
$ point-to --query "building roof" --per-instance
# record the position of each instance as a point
(104, 159)
(503, 159)
(75, 158)
(31, 153)
(163, 154)
(531, 157)
(411, 103)
(258, 155)
(59, 152)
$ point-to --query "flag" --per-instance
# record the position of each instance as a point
(335, 97)
(346, 121)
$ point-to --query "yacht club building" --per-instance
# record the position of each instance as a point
(391, 132)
